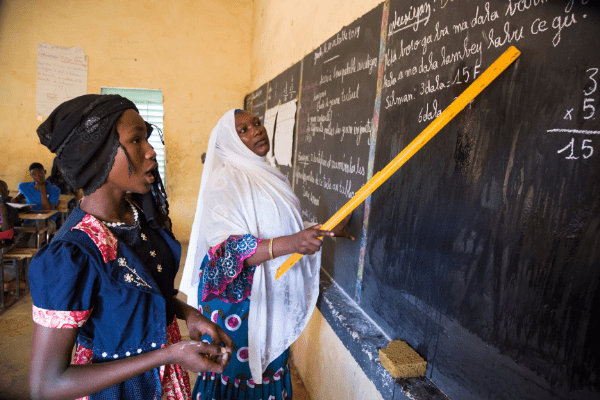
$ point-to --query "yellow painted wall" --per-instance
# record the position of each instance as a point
(197, 52)
(284, 32)
(327, 368)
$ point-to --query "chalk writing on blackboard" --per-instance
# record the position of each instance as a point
(580, 148)
(585, 146)
(588, 105)
(288, 91)
(336, 120)
(465, 59)
(345, 35)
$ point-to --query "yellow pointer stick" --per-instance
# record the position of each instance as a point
(454, 108)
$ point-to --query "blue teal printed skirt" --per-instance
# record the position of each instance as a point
(235, 383)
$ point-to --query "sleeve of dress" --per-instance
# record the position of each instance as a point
(224, 276)
(61, 280)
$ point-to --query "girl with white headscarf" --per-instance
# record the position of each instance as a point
(248, 218)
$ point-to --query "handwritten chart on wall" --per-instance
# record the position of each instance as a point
(339, 82)
(495, 223)
(61, 76)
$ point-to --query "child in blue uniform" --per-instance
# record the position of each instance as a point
(105, 282)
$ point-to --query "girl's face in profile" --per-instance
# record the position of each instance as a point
(252, 133)
(135, 174)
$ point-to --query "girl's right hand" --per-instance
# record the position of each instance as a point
(198, 356)
(307, 241)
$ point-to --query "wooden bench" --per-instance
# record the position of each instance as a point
(15, 258)
(42, 233)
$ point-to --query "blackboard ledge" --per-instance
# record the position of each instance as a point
(363, 338)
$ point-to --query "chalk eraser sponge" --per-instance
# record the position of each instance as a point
(402, 361)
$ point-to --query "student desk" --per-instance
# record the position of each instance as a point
(40, 218)
(63, 207)
(14, 258)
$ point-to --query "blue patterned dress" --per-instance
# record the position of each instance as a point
(224, 297)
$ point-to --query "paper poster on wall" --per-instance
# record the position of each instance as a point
(269, 123)
(284, 137)
(61, 75)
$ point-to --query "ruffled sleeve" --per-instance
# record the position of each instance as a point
(61, 279)
(224, 276)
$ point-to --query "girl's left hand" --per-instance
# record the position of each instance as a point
(198, 356)
(198, 326)
(340, 229)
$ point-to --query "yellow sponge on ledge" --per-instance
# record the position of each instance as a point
(402, 361)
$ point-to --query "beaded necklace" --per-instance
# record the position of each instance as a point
(135, 218)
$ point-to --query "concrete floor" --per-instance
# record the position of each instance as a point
(15, 343)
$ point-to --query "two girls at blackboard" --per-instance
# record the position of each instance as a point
(106, 280)
(247, 219)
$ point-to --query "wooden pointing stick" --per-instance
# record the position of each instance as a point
(436, 125)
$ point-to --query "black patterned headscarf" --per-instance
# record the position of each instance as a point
(82, 132)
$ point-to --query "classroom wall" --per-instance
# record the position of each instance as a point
(327, 368)
(197, 52)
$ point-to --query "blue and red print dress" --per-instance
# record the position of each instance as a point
(224, 297)
(117, 287)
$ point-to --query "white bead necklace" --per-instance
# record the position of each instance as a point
(135, 218)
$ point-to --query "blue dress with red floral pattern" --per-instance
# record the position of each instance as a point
(224, 297)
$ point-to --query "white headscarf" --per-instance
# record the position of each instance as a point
(241, 193)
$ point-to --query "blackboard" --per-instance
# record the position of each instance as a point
(483, 250)
(494, 225)
(258, 103)
(248, 102)
(335, 119)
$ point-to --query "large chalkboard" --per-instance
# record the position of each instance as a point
(494, 226)
(339, 82)
(483, 250)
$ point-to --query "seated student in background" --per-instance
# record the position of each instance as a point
(8, 215)
(40, 193)
(42, 196)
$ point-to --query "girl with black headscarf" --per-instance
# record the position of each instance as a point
(105, 283)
